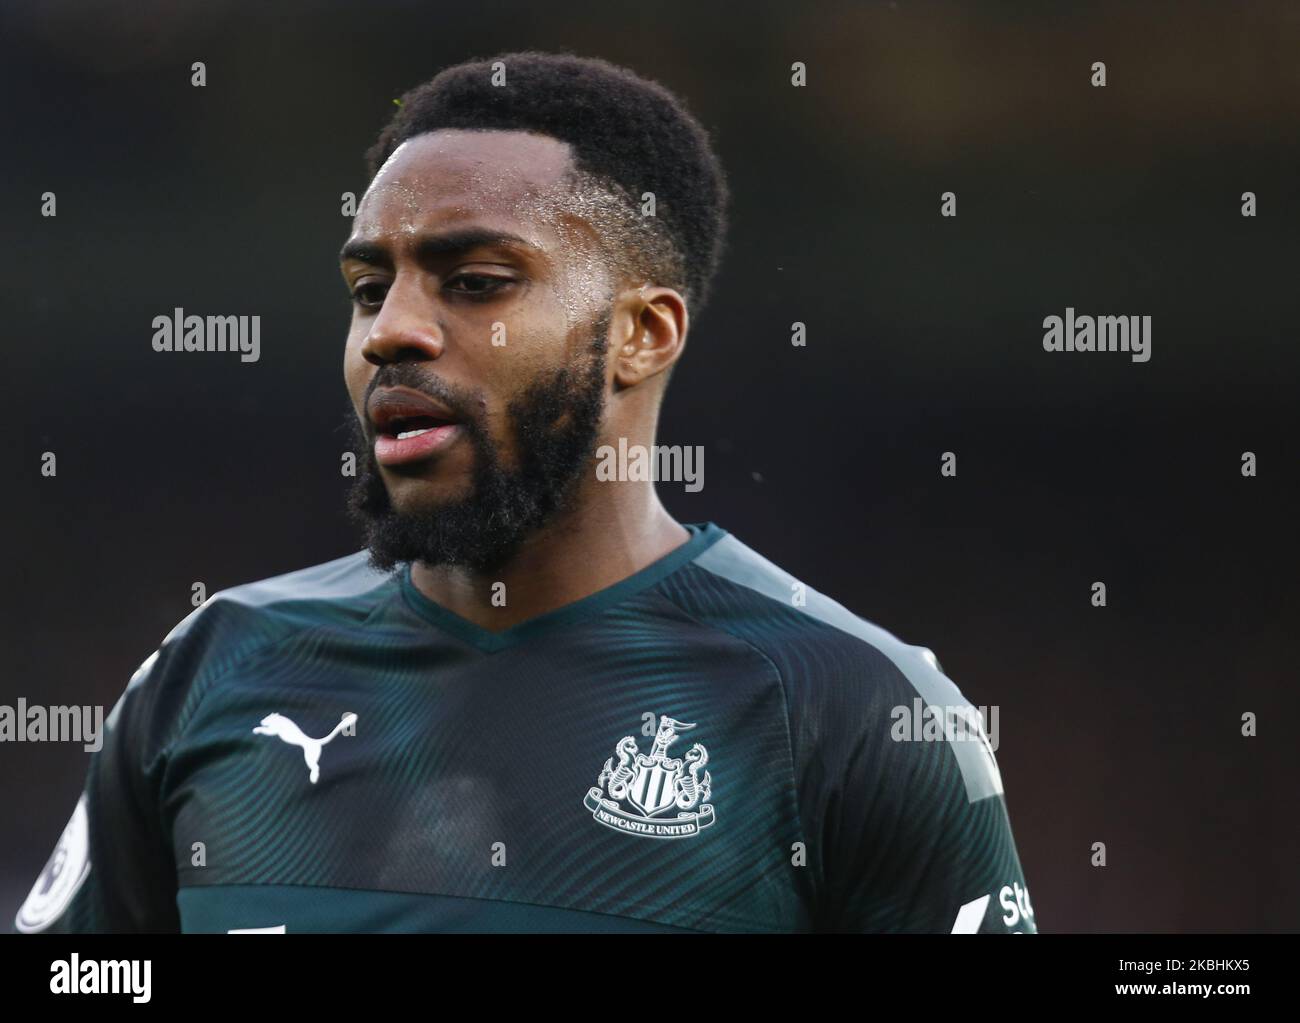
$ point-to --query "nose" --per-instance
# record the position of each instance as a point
(405, 327)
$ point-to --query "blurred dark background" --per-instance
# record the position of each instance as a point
(1118, 725)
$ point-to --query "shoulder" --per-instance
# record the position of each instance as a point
(342, 585)
(254, 613)
(848, 681)
(236, 623)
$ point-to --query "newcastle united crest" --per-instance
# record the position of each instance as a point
(653, 794)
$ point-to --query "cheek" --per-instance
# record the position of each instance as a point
(356, 370)
(540, 345)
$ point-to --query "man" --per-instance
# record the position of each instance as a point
(535, 701)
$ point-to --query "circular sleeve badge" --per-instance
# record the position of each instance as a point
(63, 876)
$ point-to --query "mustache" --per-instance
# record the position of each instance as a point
(465, 403)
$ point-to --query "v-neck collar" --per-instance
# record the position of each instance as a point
(703, 536)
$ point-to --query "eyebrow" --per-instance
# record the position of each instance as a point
(449, 244)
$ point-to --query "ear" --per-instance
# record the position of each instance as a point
(653, 334)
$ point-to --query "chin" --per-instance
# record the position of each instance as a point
(420, 496)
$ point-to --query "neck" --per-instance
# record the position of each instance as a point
(612, 531)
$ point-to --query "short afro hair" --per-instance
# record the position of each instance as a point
(628, 135)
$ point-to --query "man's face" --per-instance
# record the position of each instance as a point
(475, 360)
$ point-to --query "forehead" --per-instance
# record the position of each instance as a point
(454, 177)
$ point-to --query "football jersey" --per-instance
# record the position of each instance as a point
(706, 745)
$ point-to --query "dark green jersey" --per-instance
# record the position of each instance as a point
(707, 745)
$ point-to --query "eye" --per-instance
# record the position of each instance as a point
(477, 285)
(370, 295)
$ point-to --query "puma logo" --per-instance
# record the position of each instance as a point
(278, 724)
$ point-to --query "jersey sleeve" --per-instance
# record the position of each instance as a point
(918, 838)
(112, 869)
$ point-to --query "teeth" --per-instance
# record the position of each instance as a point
(414, 433)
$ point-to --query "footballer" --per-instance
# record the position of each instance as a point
(534, 701)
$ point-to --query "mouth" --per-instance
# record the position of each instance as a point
(410, 426)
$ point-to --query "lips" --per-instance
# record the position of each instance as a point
(409, 425)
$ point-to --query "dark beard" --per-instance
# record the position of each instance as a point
(554, 424)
